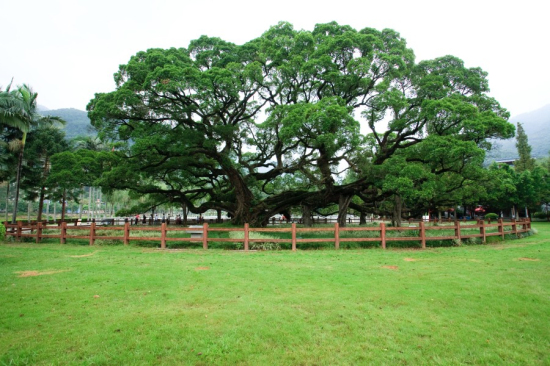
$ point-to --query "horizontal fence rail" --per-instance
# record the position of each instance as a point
(200, 234)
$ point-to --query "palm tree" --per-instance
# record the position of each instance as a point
(18, 109)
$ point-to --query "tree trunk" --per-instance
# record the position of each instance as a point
(306, 215)
(80, 205)
(362, 218)
(42, 191)
(397, 208)
(17, 182)
(41, 203)
(243, 199)
(7, 198)
(48, 211)
(343, 204)
(184, 209)
(63, 204)
(90, 212)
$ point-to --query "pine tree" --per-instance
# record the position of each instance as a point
(525, 161)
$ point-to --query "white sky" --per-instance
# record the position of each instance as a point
(67, 50)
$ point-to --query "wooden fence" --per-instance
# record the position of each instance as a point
(69, 231)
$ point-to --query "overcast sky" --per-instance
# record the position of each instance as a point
(67, 50)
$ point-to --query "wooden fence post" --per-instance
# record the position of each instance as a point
(246, 236)
(126, 233)
(92, 232)
(423, 234)
(457, 230)
(205, 236)
(336, 236)
(383, 234)
(162, 235)
(293, 237)
(501, 228)
(38, 232)
(514, 227)
(63, 232)
(482, 230)
(19, 230)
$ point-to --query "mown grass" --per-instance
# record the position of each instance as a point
(482, 304)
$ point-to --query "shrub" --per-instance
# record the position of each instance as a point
(539, 215)
(492, 216)
(473, 241)
(2, 231)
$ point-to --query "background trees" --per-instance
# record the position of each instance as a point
(18, 110)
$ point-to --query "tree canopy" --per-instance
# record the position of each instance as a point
(294, 118)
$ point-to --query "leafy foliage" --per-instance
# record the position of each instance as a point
(274, 124)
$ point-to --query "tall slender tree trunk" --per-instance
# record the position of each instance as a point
(99, 197)
(42, 190)
(63, 204)
(41, 203)
(80, 205)
(17, 182)
(7, 198)
(90, 207)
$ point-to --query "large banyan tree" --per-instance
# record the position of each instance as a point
(311, 119)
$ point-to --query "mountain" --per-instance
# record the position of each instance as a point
(537, 127)
(78, 123)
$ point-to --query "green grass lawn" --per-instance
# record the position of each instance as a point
(110, 305)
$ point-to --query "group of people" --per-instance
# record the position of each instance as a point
(156, 219)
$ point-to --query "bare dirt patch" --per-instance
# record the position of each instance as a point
(410, 259)
(391, 267)
(202, 268)
(38, 273)
(529, 259)
(83, 255)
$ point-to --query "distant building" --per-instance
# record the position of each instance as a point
(506, 161)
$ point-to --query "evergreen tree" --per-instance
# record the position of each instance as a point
(525, 161)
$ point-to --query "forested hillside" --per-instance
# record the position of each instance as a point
(537, 127)
(78, 123)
